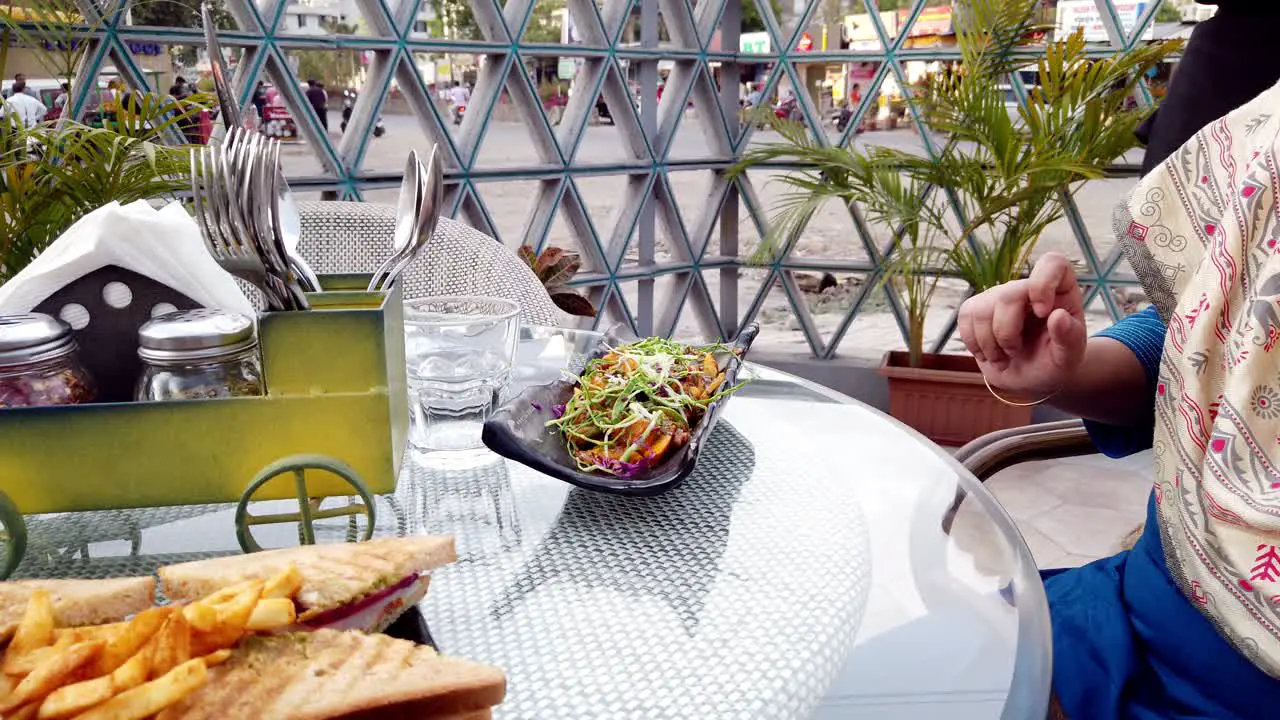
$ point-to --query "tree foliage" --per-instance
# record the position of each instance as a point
(54, 174)
(179, 13)
(752, 20)
(455, 20)
(334, 68)
(1004, 170)
(1168, 13)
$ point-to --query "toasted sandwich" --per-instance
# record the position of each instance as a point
(77, 602)
(345, 586)
(327, 675)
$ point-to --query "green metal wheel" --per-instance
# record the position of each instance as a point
(13, 535)
(308, 507)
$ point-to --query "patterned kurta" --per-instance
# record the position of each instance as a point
(1201, 232)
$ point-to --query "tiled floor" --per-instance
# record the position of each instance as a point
(1075, 510)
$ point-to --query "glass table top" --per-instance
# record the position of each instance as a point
(807, 569)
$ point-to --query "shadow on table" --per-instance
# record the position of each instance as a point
(669, 546)
(58, 544)
(474, 504)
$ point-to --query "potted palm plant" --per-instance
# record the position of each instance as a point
(1004, 171)
(57, 172)
(53, 174)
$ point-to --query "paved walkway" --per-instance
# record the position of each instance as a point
(1070, 511)
(830, 236)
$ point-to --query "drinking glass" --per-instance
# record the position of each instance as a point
(460, 351)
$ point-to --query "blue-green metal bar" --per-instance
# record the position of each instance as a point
(651, 196)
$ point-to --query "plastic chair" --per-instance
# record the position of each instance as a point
(999, 450)
(345, 237)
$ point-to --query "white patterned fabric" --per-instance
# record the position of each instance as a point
(1202, 232)
(344, 237)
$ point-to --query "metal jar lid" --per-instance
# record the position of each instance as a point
(33, 337)
(202, 334)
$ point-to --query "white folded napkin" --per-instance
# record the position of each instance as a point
(164, 245)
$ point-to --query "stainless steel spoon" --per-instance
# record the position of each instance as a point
(428, 215)
(407, 210)
(286, 223)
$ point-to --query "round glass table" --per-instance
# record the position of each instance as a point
(808, 568)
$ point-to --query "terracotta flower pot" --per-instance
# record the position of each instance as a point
(946, 400)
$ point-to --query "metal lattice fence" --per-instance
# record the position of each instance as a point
(654, 244)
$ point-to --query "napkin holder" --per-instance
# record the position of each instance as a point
(336, 403)
(109, 339)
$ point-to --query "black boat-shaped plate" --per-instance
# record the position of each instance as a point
(518, 430)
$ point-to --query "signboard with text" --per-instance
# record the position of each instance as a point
(932, 21)
(1073, 14)
(861, 32)
(756, 43)
(278, 123)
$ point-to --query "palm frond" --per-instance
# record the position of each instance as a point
(1004, 173)
(54, 174)
(990, 31)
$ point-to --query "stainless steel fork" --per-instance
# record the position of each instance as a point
(221, 229)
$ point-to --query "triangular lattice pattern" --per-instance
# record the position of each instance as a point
(663, 253)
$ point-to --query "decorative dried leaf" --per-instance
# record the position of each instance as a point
(549, 256)
(559, 274)
(573, 303)
(529, 257)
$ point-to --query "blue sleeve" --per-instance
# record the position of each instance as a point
(1143, 333)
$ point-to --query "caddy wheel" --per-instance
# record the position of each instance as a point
(309, 508)
(13, 534)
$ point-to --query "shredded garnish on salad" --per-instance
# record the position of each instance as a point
(638, 403)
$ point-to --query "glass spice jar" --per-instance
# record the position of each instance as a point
(38, 363)
(199, 354)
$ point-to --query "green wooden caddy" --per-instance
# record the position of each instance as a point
(333, 423)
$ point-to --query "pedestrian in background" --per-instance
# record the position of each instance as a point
(319, 102)
(20, 86)
(29, 111)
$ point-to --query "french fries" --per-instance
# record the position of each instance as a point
(105, 633)
(131, 674)
(201, 616)
(70, 700)
(150, 698)
(273, 613)
(26, 712)
(35, 631)
(170, 647)
(23, 664)
(215, 659)
(233, 620)
(132, 639)
(51, 674)
(132, 670)
(285, 585)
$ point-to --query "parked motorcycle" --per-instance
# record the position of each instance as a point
(602, 111)
(349, 104)
(788, 109)
(459, 112)
(842, 116)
